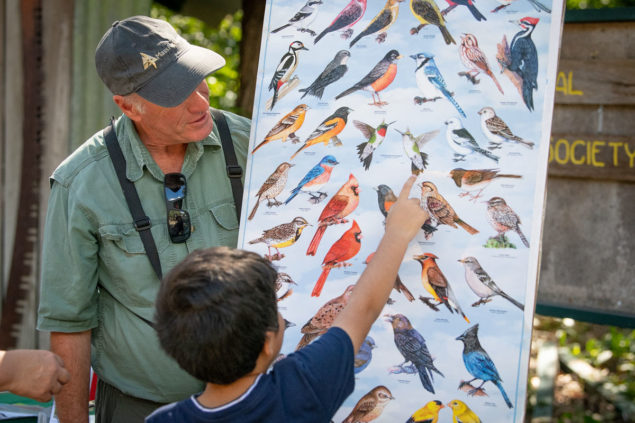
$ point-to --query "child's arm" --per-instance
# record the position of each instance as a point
(373, 288)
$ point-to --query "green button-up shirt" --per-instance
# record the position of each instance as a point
(95, 273)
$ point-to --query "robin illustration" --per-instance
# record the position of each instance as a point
(474, 59)
(524, 59)
(462, 142)
(476, 180)
(286, 127)
(281, 236)
(379, 77)
(343, 249)
(283, 280)
(399, 286)
(430, 81)
(324, 318)
(386, 198)
(462, 413)
(327, 130)
(370, 406)
(479, 364)
(439, 209)
(348, 17)
(427, 12)
(339, 206)
(504, 219)
(286, 67)
(413, 147)
(303, 18)
(497, 131)
(374, 137)
(364, 355)
(335, 70)
(412, 347)
(437, 285)
(314, 180)
(380, 23)
(482, 284)
(429, 413)
(272, 187)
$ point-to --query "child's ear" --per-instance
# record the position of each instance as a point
(269, 348)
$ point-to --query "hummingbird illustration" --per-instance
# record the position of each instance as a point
(374, 136)
(413, 147)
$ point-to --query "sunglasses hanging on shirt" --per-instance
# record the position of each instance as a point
(179, 226)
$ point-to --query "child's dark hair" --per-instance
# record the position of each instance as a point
(213, 310)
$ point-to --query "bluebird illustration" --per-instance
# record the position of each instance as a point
(380, 23)
(286, 127)
(524, 59)
(429, 413)
(462, 142)
(427, 12)
(497, 131)
(335, 69)
(461, 413)
(272, 187)
(413, 348)
(475, 60)
(370, 406)
(328, 130)
(286, 67)
(430, 81)
(482, 284)
(348, 17)
(374, 137)
(303, 18)
(379, 77)
(283, 235)
(365, 354)
(413, 147)
(479, 364)
(314, 180)
(470, 6)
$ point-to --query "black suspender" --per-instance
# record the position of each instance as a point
(234, 171)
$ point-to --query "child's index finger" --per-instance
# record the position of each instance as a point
(407, 187)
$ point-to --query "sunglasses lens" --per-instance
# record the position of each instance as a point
(175, 188)
(178, 225)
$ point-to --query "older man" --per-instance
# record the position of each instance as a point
(98, 284)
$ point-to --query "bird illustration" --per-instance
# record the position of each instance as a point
(370, 406)
(482, 285)
(497, 131)
(284, 70)
(470, 6)
(535, 3)
(327, 130)
(429, 413)
(413, 147)
(461, 413)
(282, 280)
(412, 347)
(524, 59)
(335, 69)
(504, 219)
(431, 82)
(303, 18)
(281, 236)
(377, 79)
(462, 142)
(474, 59)
(476, 180)
(439, 209)
(399, 286)
(339, 206)
(348, 17)
(374, 137)
(343, 249)
(478, 363)
(314, 180)
(364, 355)
(286, 127)
(380, 23)
(272, 187)
(386, 198)
(427, 12)
(324, 318)
(437, 285)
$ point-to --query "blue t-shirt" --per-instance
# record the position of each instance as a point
(308, 385)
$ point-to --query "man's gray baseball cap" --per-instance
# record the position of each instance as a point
(146, 56)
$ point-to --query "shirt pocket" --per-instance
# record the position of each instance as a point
(225, 224)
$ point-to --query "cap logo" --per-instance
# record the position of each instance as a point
(148, 61)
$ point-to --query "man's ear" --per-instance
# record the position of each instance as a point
(126, 107)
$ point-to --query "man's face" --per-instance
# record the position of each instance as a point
(188, 122)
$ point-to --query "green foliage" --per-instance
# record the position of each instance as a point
(498, 242)
(224, 40)
(598, 4)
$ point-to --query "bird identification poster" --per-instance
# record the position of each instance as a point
(352, 97)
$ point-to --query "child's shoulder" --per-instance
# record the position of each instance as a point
(174, 412)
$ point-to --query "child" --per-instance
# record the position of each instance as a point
(217, 317)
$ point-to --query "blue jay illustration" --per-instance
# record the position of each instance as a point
(479, 364)
(315, 179)
(364, 355)
(430, 81)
